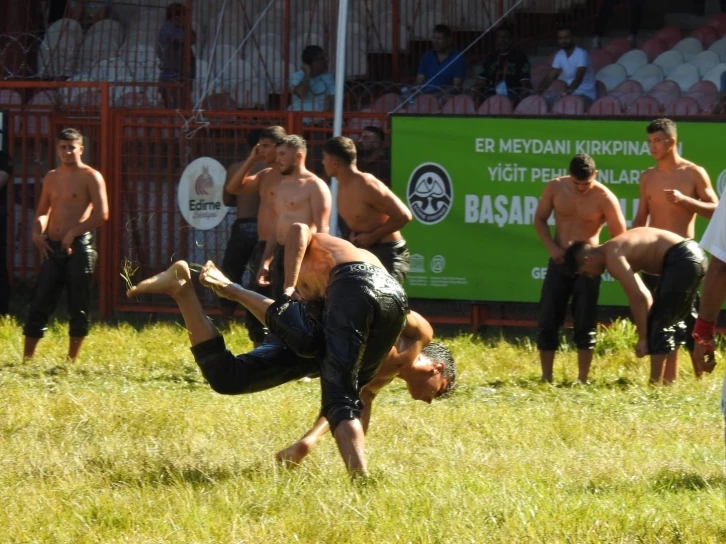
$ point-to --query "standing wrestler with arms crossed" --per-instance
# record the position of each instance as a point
(672, 193)
(260, 189)
(374, 215)
(582, 207)
(301, 197)
(73, 203)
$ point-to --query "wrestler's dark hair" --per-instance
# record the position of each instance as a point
(378, 131)
(582, 166)
(440, 353)
(443, 30)
(294, 141)
(310, 52)
(573, 256)
(564, 27)
(70, 135)
(341, 148)
(274, 133)
(666, 126)
(253, 137)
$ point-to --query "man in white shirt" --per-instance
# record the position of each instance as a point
(313, 86)
(572, 65)
(714, 294)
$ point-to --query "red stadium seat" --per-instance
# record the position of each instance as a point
(600, 59)
(607, 105)
(496, 105)
(617, 47)
(627, 92)
(654, 47)
(646, 106)
(669, 34)
(461, 104)
(683, 106)
(666, 92)
(424, 103)
(706, 35)
(705, 93)
(569, 105)
(532, 105)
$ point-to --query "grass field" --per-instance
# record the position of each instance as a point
(130, 445)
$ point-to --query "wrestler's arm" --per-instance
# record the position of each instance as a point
(381, 199)
(714, 294)
(296, 244)
(234, 183)
(641, 216)
(614, 215)
(321, 203)
(42, 213)
(638, 295)
(541, 216)
(99, 215)
(707, 200)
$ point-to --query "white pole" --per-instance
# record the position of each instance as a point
(338, 110)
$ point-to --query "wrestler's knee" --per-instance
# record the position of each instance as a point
(660, 341)
(547, 338)
(79, 325)
(36, 323)
(216, 364)
(585, 338)
(337, 413)
(288, 320)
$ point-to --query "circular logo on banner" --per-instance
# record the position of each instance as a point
(430, 193)
(200, 193)
(721, 183)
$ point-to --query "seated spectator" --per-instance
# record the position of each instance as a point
(441, 70)
(372, 154)
(506, 72)
(172, 46)
(572, 65)
(88, 12)
(312, 87)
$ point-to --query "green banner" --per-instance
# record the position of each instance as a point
(473, 184)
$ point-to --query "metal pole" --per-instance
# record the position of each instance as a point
(338, 110)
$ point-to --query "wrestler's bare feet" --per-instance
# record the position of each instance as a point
(174, 281)
(293, 455)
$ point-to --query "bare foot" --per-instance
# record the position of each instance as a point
(294, 454)
(170, 282)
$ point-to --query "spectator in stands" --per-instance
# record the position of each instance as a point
(373, 155)
(572, 65)
(6, 173)
(606, 10)
(441, 70)
(56, 10)
(178, 64)
(506, 72)
(312, 87)
(88, 12)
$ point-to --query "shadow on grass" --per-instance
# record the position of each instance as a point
(672, 481)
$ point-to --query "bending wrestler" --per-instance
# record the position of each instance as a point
(427, 368)
(365, 313)
(680, 265)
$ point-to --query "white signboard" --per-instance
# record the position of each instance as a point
(200, 193)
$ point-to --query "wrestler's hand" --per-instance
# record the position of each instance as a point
(704, 356)
(263, 275)
(641, 348)
(41, 242)
(362, 239)
(674, 196)
(67, 242)
(558, 255)
(212, 277)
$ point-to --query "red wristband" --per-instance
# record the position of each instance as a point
(703, 332)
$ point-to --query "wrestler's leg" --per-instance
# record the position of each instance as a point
(294, 454)
(176, 281)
